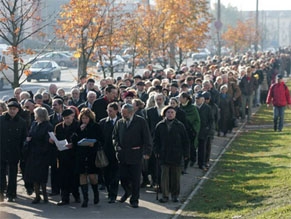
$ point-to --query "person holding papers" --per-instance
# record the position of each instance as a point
(40, 152)
(69, 180)
(86, 153)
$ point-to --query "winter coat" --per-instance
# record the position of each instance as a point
(171, 144)
(85, 155)
(279, 95)
(40, 153)
(248, 85)
(132, 142)
(226, 107)
(193, 120)
(13, 134)
(206, 121)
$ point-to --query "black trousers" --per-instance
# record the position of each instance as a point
(28, 185)
(111, 176)
(130, 180)
(201, 152)
(55, 178)
(12, 168)
(69, 179)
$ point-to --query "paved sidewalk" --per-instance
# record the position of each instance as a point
(149, 206)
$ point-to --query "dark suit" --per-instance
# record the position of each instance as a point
(153, 118)
(99, 108)
(55, 178)
(111, 172)
(69, 180)
(206, 122)
(131, 143)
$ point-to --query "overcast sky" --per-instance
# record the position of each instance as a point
(250, 5)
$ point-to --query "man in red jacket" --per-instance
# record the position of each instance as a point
(279, 96)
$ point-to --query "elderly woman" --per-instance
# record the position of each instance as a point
(85, 155)
(39, 155)
(226, 107)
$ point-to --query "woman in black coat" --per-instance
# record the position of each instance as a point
(226, 111)
(39, 155)
(85, 155)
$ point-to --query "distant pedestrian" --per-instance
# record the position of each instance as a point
(279, 96)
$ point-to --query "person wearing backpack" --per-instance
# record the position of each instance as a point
(279, 97)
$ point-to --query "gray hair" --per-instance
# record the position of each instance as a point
(128, 107)
(41, 114)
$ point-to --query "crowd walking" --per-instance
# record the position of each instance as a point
(151, 127)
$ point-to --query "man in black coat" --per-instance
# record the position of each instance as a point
(206, 123)
(171, 143)
(132, 141)
(100, 105)
(69, 180)
(13, 132)
(55, 118)
(111, 173)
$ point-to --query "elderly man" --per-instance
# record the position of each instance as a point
(75, 99)
(13, 127)
(91, 97)
(171, 144)
(132, 141)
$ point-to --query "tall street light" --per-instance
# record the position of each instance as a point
(257, 26)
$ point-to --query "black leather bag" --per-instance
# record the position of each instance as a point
(101, 160)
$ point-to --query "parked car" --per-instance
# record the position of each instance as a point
(202, 53)
(44, 69)
(63, 59)
(118, 64)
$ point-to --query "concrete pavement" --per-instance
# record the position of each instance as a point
(149, 206)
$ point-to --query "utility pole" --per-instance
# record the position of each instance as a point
(257, 27)
(218, 26)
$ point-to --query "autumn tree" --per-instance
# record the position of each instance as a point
(242, 36)
(86, 26)
(20, 20)
(186, 23)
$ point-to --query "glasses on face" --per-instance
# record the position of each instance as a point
(26, 107)
(54, 104)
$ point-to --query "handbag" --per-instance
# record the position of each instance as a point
(101, 160)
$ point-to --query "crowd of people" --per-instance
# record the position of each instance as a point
(152, 127)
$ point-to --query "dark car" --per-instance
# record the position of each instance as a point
(44, 70)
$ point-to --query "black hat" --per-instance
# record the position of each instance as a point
(67, 112)
(141, 83)
(175, 85)
(198, 95)
(279, 76)
(123, 86)
(166, 108)
(137, 76)
(13, 104)
(206, 95)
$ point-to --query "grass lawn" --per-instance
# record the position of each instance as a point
(252, 179)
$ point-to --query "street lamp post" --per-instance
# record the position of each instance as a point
(257, 26)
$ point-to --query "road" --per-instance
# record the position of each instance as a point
(69, 78)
